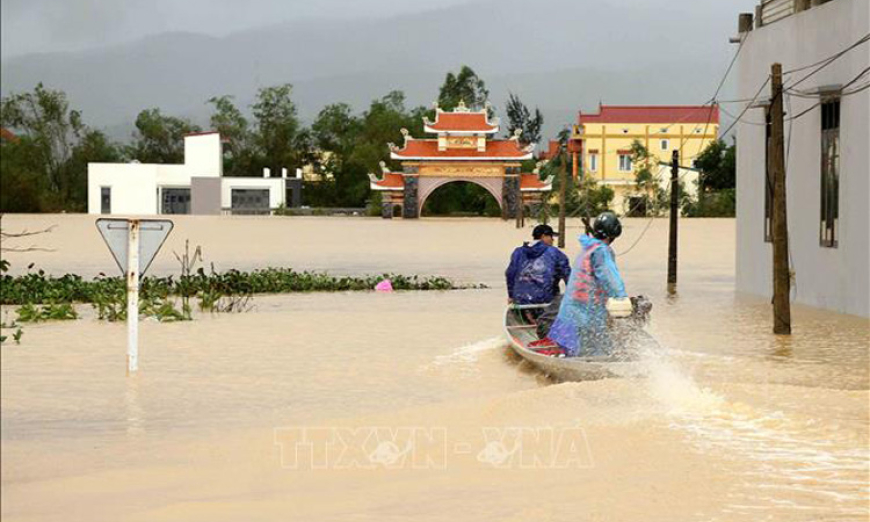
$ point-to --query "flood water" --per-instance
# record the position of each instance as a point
(407, 406)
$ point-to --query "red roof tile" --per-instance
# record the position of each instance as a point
(391, 180)
(498, 149)
(462, 122)
(8, 135)
(532, 182)
(652, 114)
(552, 150)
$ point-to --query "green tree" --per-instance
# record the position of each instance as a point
(93, 147)
(159, 138)
(651, 198)
(280, 137)
(716, 182)
(49, 130)
(464, 86)
(45, 167)
(240, 155)
(717, 167)
(22, 183)
(520, 117)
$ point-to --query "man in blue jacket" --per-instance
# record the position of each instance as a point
(535, 270)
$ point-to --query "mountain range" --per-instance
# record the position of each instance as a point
(558, 55)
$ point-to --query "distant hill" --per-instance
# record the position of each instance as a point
(564, 56)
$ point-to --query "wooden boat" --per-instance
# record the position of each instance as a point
(629, 338)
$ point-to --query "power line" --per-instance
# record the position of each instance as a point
(841, 91)
(860, 41)
(828, 61)
(746, 108)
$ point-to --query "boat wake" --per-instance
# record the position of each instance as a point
(793, 458)
(466, 357)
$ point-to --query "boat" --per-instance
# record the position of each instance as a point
(629, 339)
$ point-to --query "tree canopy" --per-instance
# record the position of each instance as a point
(465, 86)
(520, 117)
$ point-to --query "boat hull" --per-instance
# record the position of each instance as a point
(629, 340)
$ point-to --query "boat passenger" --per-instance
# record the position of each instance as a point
(535, 270)
(580, 327)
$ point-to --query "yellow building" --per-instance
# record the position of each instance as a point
(601, 144)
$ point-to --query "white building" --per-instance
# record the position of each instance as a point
(195, 187)
(827, 104)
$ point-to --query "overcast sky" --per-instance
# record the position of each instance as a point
(30, 26)
(33, 26)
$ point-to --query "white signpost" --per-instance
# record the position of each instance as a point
(133, 243)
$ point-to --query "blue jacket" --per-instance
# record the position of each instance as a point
(581, 326)
(534, 273)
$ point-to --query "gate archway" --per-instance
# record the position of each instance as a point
(428, 185)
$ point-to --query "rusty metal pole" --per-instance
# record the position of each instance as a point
(133, 297)
(563, 182)
(674, 214)
(781, 278)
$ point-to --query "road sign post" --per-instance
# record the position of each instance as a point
(134, 243)
(133, 297)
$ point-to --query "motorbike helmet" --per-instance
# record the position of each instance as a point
(606, 226)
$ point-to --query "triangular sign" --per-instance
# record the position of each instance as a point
(152, 234)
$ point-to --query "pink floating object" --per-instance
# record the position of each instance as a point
(384, 286)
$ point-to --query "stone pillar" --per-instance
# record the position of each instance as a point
(409, 208)
(510, 196)
(387, 209)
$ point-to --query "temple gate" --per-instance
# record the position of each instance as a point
(463, 150)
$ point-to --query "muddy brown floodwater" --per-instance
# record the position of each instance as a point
(407, 406)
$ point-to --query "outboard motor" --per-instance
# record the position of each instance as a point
(641, 307)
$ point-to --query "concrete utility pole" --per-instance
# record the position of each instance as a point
(674, 214)
(563, 181)
(781, 277)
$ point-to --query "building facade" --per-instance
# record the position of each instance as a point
(463, 149)
(827, 150)
(196, 186)
(601, 144)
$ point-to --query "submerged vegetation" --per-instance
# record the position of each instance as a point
(208, 287)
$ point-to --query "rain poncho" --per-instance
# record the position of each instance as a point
(534, 273)
(581, 326)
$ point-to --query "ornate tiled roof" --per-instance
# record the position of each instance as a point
(655, 114)
(532, 183)
(495, 150)
(462, 120)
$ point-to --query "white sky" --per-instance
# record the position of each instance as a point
(33, 26)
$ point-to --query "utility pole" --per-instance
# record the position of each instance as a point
(520, 210)
(781, 276)
(563, 181)
(674, 214)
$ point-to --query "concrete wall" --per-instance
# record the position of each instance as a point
(205, 196)
(134, 187)
(203, 154)
(832, 278)
(610, 138)
(275, 186)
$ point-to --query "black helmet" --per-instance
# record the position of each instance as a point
(606, 226)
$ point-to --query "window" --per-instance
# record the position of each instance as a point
(250, 201)
(665, 144)
(593, 162)
(830, 186)
(105, 200)
(625, 162)
(176, 201)
(768, 182)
